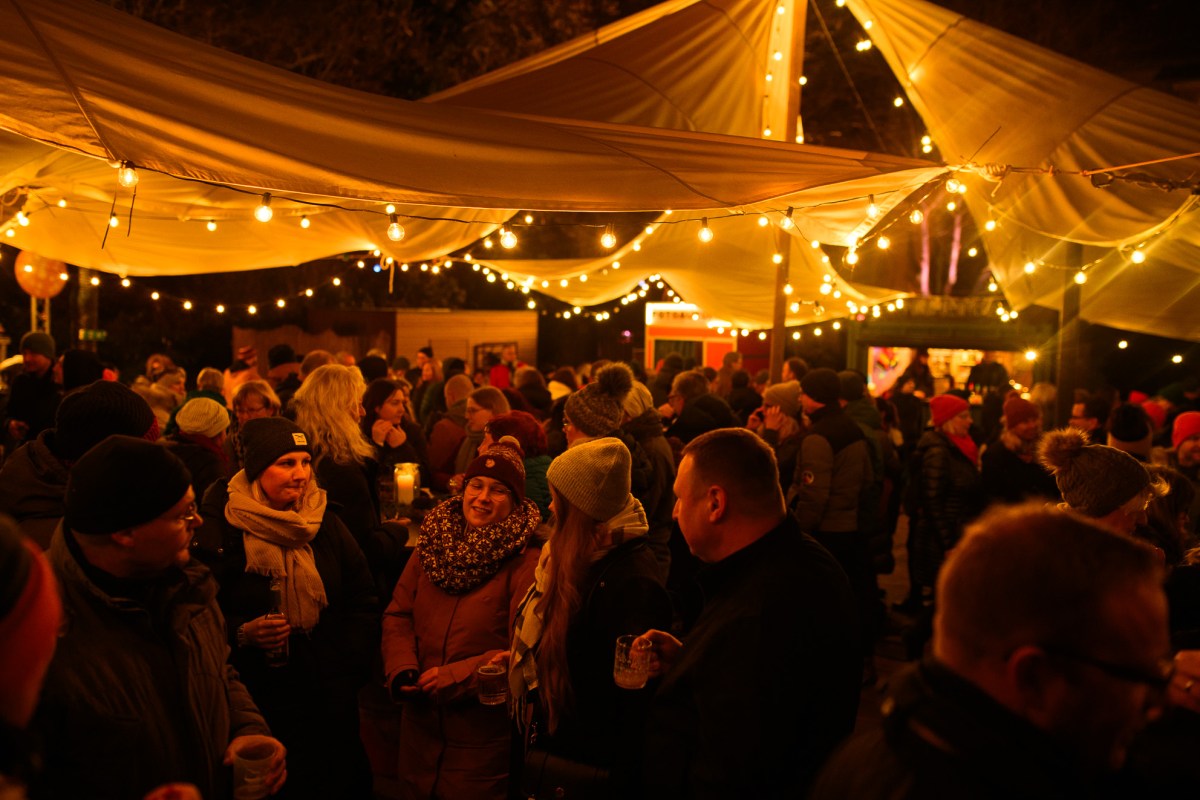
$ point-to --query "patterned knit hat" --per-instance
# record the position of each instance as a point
(594, 476)
(638, 401)
(202, 416)
(785, 395)
(121, 483)
(1094, 479)
(89, 415)
(265, 439)
(597, 409)
(504, 462)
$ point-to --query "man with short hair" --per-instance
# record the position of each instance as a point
(691, 410)
(1050, 650)
(768, 680)
(140, 692)
(1090, 416)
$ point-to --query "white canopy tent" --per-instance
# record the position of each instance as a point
(83, 88)
(992, 99)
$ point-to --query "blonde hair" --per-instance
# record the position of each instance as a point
(326, 407)
(260, 388)
(574, 542)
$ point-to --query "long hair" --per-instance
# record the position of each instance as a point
(327, 410)
(573, 542)
(260, 388)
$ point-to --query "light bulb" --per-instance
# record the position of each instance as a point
(1122, 344)
(972, 252)
(220, 308)
(529, 219)
(113, 221)
(898, 102)
(264, 213)
(993, 286)
(816, 331)
(777, 258)
(1137, 257)
(1081, 277)
(837, 326)
(872, 209)
(916, 217)
(787, 288)
(211, 225)
(252, 309)
(763, 221)
(154, 295)
(390, 209)
(825, 288)
(126, 175)
(803, 80)
(900, 302)
(62, 204)
(337, 281)
(796, 336)
(1031, 355)
(281, 302)
(508, 239)
(815, 244)
(953, 185)
(777, 55)
(125, 282)
(926, 148)
(1177, 359)
(95, 281)
(608, 239)
(706, 234)
(305, 221)
(395, 231)
(883, 243)
(951, 205)
(852, 257)
(532, 304)
(187, 305)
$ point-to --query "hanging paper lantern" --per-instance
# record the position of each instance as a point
(39, 276)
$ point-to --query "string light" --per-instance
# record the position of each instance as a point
(508, 239)
(154, 295)
(113, 221)
(95, 281)
(872, 209)
(777, 258)
(883, 243)
(1030, 267)
(1138, 257)
(395, 231)
(990, 225)
(953, 186)
(264, 213)
(1177, 359)
(898, 102)
(1122, 344)
(837, 326)
(252, 309)
(950, 206)
(281, 302)
(706, 234)
(305, 222)
(816, 245)
(220, 308)
(127, 176)
(972, 252)
(211, 225)
(916, 217)
(126, 283)
(992, 285)
(1080, 277)
(608, 239)
(863, 45)
(390, 209)
(529, 219)
(803, 80)
(852, 257)
(62, 203)
(187, 305)
(1031, 355)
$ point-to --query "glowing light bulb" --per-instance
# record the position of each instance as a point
(531, 304)
(1137, 257)
(898, 102)
(803, 80)
(767, 132)
(1031, 355)
(1030, 267)
(127, 176)
(796, 336)
(126, 283)
(62, 204)
(863, 45)
(777, 55)
(252, 309)
(1081, 277)
(1013, 314)
(389, 209)
(529, 219)
(787, 288)
(926, 148)
(337, 281)
(926, 139)
(706, 234)
(154, 295)
(10, 233)
(113, 221)
(305, 222)
(211, 225)
(872, 209)
(952, 185)
(281, 302)
(566, 315)
(608, 239)
(826, 288)
(187, 305)
(1122, 344)
(487, 244)
(815, 245)
(220, 308)
(264, 213)
(763, 221)
(951, 205)
(916, 217)
(900, 302)
(852, 257)
(993, 286)
(883, 243)
(817, 331)
(308, 292)
(395, 231)
(508, 239)
(1178, 359)
(762, 336)
(777, 258)
(972, 252)
(837, 326)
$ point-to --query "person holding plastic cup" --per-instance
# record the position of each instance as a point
(450, 615)
(597, 580)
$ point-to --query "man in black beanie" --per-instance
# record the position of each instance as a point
(34, 394)
(139, 693)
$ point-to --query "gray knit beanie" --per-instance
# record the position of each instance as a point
(202, 416)
(38, 342)
(594, 476)
(598, 408)
(1094, 479)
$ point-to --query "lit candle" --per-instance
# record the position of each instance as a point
(404, 488)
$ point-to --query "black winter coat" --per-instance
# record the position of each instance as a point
(950, 495)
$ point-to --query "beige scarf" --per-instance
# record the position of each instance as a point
(277, 545)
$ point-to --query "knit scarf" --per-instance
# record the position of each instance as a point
(629, 523)
(457, 558)
(277, 545)
(966, 445)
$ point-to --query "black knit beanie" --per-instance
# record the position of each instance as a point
(121, 483)
(89, 415)
(822, 385)
(266, 439)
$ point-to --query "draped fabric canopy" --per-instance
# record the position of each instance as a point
(991, 98)
(83, 87)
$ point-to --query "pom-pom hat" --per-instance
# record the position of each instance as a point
(1094, 479)
(504, 462)
(598, 408)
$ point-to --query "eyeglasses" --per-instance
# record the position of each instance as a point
(1159, 678)
(496, 490)
(190, 514)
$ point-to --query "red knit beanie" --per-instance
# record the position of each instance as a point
(1187, 425)
(946, 407)
(1018, 410)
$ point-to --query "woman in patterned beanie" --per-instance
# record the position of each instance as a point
(450, 613)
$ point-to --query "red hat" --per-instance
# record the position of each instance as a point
(1018, 410)
(1138, 398)
(1187, 425)
(946, 407)
(1155, 411)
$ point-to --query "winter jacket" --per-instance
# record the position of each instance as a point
(205, 464)
(140, 693)
(767, 681)
(658, 500)
(451, 746)
(833, 471)
(537, 488)
(444, 440)
(33, 399)
(621, 594)
(701, 415)
(331, 662)
(1008, 478)
(943, 739)
(949, 495)
(33, 483)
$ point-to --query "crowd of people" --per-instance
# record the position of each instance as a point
(266, 557)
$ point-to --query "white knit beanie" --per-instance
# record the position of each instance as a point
(202, 416)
